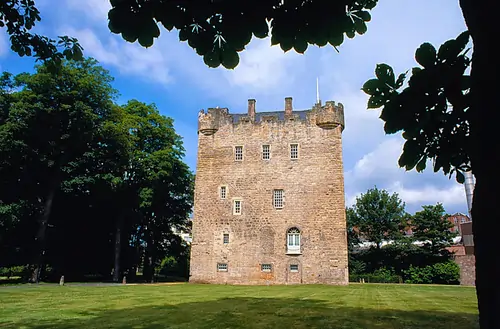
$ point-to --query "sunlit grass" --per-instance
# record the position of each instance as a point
(216, 306)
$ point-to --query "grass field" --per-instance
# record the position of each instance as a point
(365, 306)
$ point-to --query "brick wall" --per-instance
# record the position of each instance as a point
(467, 265)
(314, 202)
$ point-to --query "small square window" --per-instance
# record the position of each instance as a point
(223, 192)
(294, 267)
(294, 151)
(266, 152)
(238, 153)
(266, 267)
(278, 199)
(222, 267)
(225, 238)
(237, 207)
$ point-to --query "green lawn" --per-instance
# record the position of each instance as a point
(365, 306)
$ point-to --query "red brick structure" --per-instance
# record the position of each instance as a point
(457, 219)
(269, 197)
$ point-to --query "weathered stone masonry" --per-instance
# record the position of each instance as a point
(256, 248)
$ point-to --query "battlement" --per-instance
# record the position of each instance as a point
(326, 116)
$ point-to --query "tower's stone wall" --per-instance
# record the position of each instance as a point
(313, 188)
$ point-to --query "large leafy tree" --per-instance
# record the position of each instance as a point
(49, 124)
(217, 30)
(431, 227)
(158, 184)
(377, 216)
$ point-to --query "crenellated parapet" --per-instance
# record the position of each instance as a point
(329, 116)
(210, 121)
(326, 116)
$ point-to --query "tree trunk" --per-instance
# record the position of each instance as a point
(480, 17)
(149, 257)
(42, 232)
(118, 249)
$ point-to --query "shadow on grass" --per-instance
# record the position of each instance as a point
(255, 313)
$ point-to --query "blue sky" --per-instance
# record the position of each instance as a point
(171, 75)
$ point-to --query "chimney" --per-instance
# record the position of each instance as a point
(251, 108)
(288, 107)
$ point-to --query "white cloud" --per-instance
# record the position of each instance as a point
(380, 168)
(129, 59)
(263, 68)
(451, 196)
(95, 9)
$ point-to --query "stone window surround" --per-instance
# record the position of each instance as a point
(294, 235)
(266, 267)
(223, 192)
(236, 154)
(222, 267)
(266, 152)
(240, 207)
(278, 198)
(290, 151)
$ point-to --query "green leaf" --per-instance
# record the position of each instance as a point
(300, 46)
(385, 74)
(212, 58)
(421, 164)
(230, 59)
(360, 26)
(184, 34)
(146, 40)
(286, 44)
(77, 53)
(372, 86)
(426, 55)
(401, 80)
(337, 39)
(260, 29)
(350, 34)
(376, 101)
(364, 15)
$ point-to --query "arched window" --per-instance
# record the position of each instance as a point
(293, 241)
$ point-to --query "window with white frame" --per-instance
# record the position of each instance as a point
(294, 151)
(238, 153)
(278, 199)
(294, 267)
(237, 207)
(266, 267)
(293, 241)
(222, 267)
(223, 192)
(266, 152)
(225, 238)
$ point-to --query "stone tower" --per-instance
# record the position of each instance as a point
(269, 197)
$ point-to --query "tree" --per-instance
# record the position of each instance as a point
(158, 185)
(19, 17)
(432, 228)
(49, 124)
(217, 30)
(378, 216)
(352, 234)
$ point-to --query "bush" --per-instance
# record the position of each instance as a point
(13, 271)
(439, 273)
(381, 275)
(446, 273)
